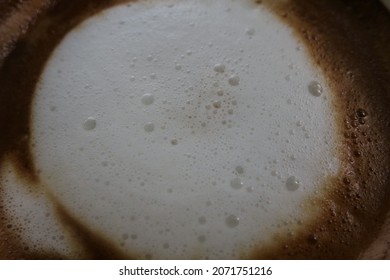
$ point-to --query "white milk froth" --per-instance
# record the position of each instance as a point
(192, 129)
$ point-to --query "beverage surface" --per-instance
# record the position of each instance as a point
(182, 129)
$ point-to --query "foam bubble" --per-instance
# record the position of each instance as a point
(234, 80)
(236, 183)
(201, 238)
(315, 88)
(149, 127)
(89, 124)
(292, 183)
(239, 169)
(147, 99)
(149, 57)
(232, 221)
(217, 104)
(219, 68)
(202, 220)
(361, 113)
(250, 31)
(178, 66)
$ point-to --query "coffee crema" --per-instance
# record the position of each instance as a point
(349, 44)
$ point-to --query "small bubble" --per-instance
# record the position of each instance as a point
(153, 76)
(219, 68)
(202, 239)
(202, 220)
(293, 157)
(312, 239)
(217, 104)
(149, 58)
(149, 127)
(189, 52)
(346, 181)
(240, 169)
(232, 221)
(90, 124)
(234, 80)
(315, 88)
(250, 31)
(178, 66)
(236, 183)
(361, 113)
(147, 99)
(292, 183)
(174, 142)
(125, 236)
(220, 92)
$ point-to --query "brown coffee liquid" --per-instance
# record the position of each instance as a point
(347, 40)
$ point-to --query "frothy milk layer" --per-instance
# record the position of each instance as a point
(184, 130)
